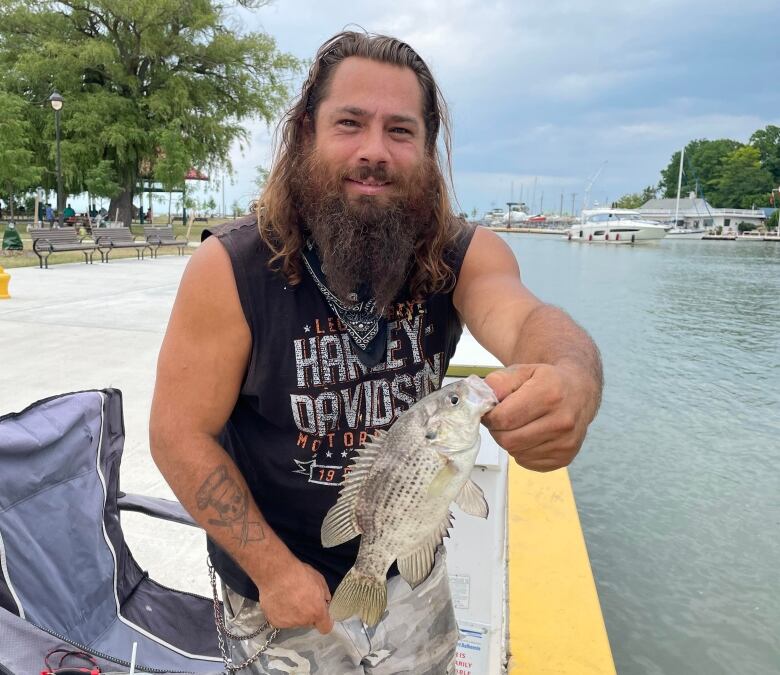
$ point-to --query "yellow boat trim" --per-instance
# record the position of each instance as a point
(465, 371)
(555, 620)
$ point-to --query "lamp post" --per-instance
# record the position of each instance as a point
(55, 100)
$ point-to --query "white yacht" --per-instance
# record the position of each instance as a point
(616, 226)
(494, 218)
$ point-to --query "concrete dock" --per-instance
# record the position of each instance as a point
(78, 326)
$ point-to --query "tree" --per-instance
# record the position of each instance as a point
(142, 80)
(744, 183)
(767, 141)
(637, 199)
(771, 222)
(17, 170)
(703, 160)
(261, 178)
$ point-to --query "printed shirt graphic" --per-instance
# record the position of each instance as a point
(338, 401)
(308, 403)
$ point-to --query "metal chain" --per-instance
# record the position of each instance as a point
(223, 632)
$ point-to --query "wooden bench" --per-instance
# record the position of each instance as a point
(55, 240)
(163, 236)
(109, 238)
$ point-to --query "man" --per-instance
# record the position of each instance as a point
(50, 215)
(299, 331)
(69, 214)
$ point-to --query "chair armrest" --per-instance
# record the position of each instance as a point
(156, 507)
(42, 241)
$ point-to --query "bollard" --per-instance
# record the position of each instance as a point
(4, 279)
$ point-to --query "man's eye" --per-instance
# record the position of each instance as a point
(400, 130)
(348, 123)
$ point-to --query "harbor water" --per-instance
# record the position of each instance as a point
(677, 485)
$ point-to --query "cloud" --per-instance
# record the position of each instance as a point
(555, 88)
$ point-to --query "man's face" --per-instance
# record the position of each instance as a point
(364, 183)
(370, 126)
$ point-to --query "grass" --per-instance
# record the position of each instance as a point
(28, 259)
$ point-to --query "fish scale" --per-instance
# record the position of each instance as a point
(398, 493)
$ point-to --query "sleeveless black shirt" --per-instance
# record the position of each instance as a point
(307, 403)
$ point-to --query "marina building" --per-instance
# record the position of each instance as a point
(696, 213)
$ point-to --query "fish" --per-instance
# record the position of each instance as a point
(397, 494)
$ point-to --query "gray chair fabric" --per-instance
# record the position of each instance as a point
(66, 572)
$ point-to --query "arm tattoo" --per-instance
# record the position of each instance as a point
(224, 495)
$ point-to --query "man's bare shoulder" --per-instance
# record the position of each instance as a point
(487, 254)
(207, 293)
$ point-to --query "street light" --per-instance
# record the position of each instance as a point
(56, 101)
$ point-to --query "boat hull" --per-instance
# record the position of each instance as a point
(615, 234)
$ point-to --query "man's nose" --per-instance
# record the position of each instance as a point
(374, 149)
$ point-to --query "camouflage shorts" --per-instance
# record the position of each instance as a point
(417, 635)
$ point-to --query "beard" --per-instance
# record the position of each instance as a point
(366, 244)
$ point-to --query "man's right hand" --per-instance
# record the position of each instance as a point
(296, 596)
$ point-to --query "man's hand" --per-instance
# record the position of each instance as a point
(543, 414)
(294, 596)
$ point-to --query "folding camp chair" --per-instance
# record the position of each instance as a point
(67, 577)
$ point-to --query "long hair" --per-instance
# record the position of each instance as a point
(278, 216)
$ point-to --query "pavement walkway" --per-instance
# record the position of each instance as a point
(78, 326)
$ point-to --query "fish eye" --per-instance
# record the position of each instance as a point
(454, 399)
(430, 435)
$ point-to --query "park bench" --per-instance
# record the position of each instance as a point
(109, 238)
(163, 236)
(55, 240)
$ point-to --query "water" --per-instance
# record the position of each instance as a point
(677, 486)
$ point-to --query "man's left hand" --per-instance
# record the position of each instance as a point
(543, 413)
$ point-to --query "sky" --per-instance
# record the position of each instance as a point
(548, 92)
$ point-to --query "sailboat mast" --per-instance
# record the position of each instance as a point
(679, 186)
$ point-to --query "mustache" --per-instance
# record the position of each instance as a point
(365, 172)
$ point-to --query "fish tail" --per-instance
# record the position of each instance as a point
(361, 595)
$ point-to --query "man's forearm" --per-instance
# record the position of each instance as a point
(211, 488)
(549, 335)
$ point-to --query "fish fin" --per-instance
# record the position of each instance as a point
(471, 500)
(417, 565)
(359, 595)
(340, 523)
(442, 479)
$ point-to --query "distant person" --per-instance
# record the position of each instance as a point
(50, 215)
(148, 215)
(68, 213)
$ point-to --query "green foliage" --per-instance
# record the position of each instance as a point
(163, 84)
(746, 227)
(703, 160)
(771, 222)
(636, 199)
(767, 141)
(743, 183)
(18, 172)
(261, 178)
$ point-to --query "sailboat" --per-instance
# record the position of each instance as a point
(676, 231)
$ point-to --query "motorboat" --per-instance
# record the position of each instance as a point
(494, 218)
(616, 226)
